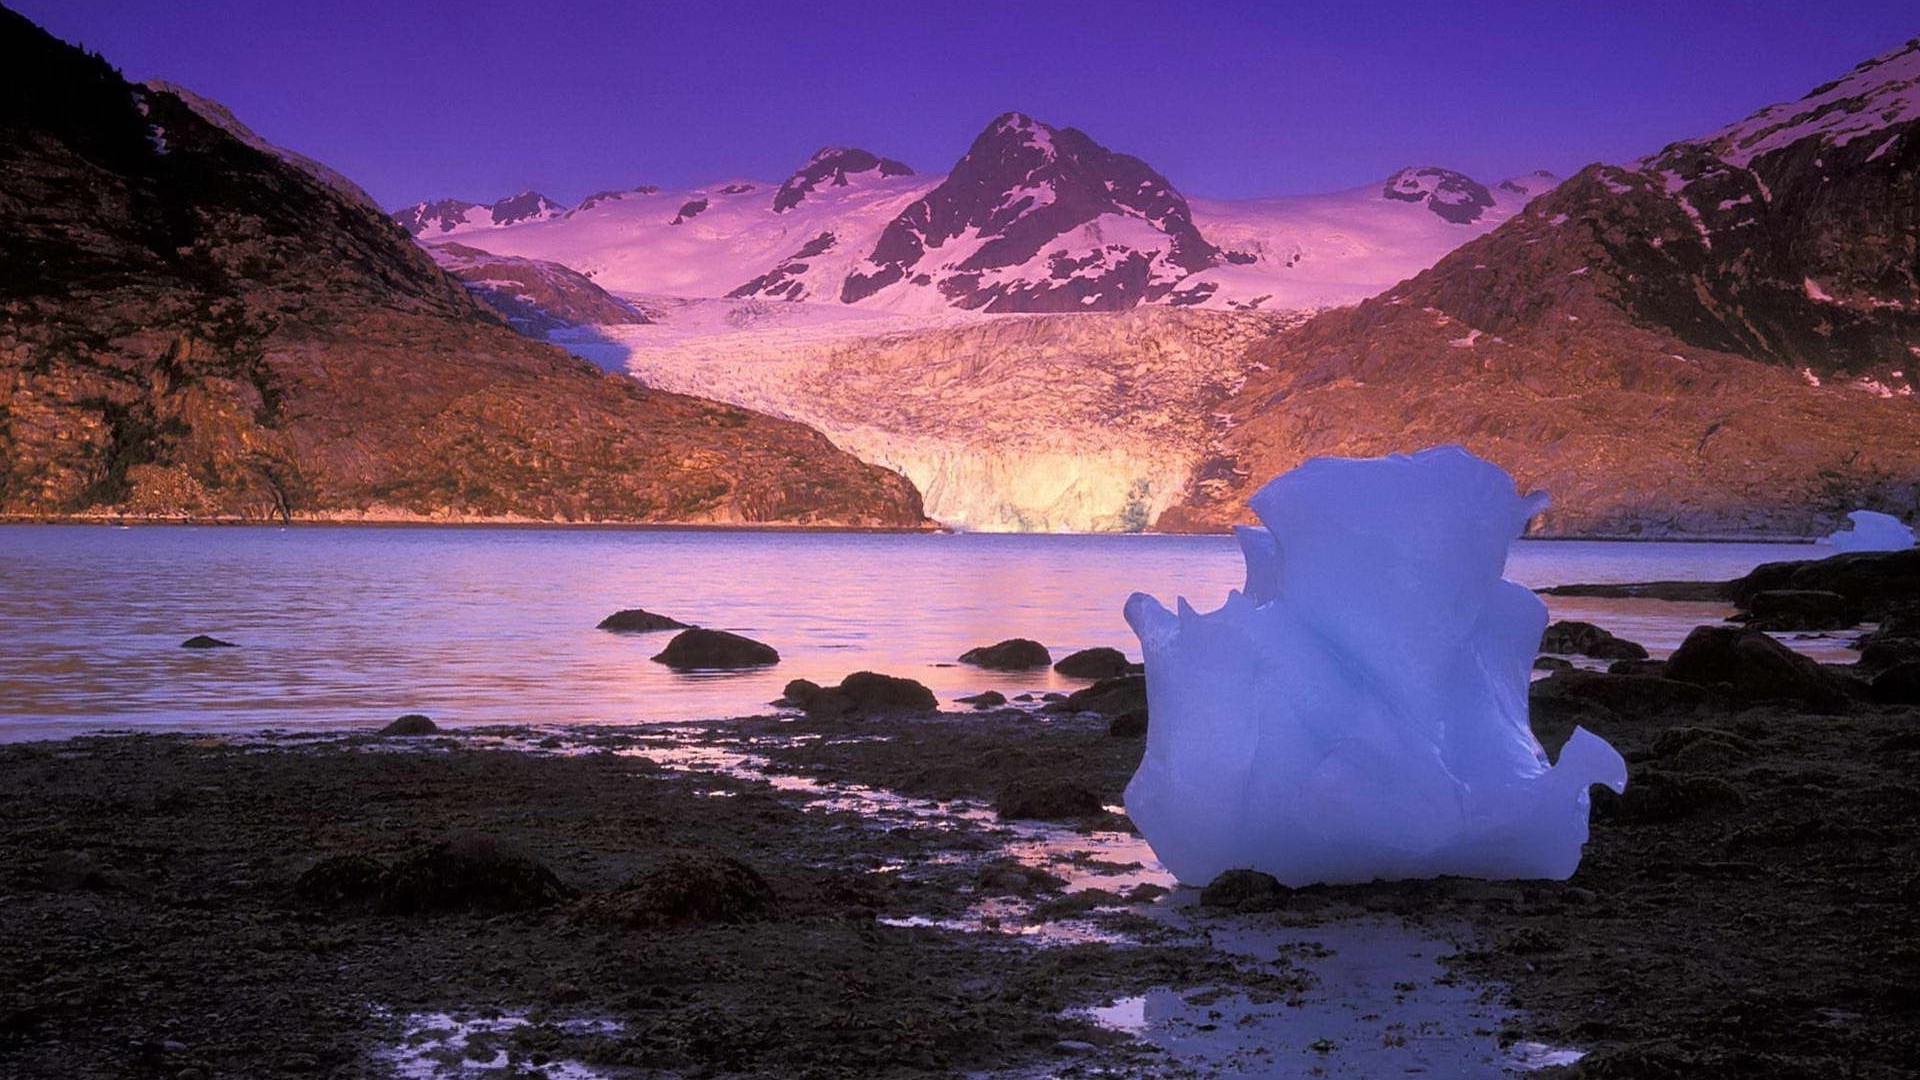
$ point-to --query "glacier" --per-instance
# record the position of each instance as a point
(1359, 710)
(1872, 531)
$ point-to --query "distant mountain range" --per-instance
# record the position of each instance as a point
(194, 323)
(1033, 218)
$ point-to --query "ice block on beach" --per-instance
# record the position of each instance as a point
(1359, 710)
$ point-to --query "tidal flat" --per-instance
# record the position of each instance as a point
(778, 896)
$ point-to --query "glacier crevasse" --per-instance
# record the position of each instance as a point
(1359, 710)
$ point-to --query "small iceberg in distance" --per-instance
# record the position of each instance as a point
(1872, 531)
(1359, 710)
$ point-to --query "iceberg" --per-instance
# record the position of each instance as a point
(1359, 710)
(1873, 531)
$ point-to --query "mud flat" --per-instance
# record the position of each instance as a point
(783, 897)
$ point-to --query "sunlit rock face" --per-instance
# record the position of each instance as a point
(1359, 710)
(1873, 531)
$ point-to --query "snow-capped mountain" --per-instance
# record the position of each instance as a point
(1037, 218)
(1721, 337)
(444, 217)
(1033, 218)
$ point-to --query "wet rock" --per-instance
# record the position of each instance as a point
(411, 724)
(1751, 666)
(1876, 581)
(863, 694)
(1701, 749)
(1696, 591)
(1574, 638)
(202, 641)
(987, 700)
(1626, 695)
(1780, 610)
(1551, 663)
(1013, 654)
(1128, 725)
(1654, 796)
(696, 649)
(1241, 890)
(689, 887)
(1638, 667)
(1007, 877)
(1109, 697)
(470, 873)
(1898, 685)
(1047, 799)
(1096, 663)
(637, 621)
(343, 881)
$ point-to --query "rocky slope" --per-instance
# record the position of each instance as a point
(191, 325)
(1012, 423)
(1719, 338)
(534, 296)
(1033, 218)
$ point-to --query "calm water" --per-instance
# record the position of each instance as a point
(353, 626)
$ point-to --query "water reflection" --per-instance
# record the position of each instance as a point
(352, 626)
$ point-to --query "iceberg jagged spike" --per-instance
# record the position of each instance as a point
(1873, 531)
(1359, 709)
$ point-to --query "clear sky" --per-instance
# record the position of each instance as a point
(482, 98)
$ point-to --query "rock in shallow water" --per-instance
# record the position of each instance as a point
(1013, 654)
(863, 694)
(715, 650)
(1750, 666)
(1780, 610)
(638, 621)
(1358, 711)
(984, 700)
(1096, 663)
(411, 724)
(202, 641)
(1571, 637)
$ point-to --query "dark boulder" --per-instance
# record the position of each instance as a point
(1008, 877)
(1048, 799)
(1096, 663)
(1109, 697)
(411, 724)
(1696, 591)
(636, 621)
(1013, 654)
(986, 700)
(1781, 610)
(687, 887)
(1636, 696)
(1551, 663)
(863, 694)
(1637, 667)
(1128, 725)
(202, 641)
(470, 873)
(1898, 685)
(1243, 889)
(1573, 638)
(1876, 581)
(1750, 666)
(697, 649)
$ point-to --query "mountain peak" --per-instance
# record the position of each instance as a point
(833, 166)
(1877, 94)
(1454, 196)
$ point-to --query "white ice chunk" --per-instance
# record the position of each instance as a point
(1873, 531)
(1360, 710)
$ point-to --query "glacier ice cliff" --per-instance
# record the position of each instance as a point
(1873, 531)
(1359, 710)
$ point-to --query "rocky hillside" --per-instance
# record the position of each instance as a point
(1720, 338)
(1033, 218)
(192, 325)
(534, 296)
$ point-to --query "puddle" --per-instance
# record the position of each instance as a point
(439, 1045)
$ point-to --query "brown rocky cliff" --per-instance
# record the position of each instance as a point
(190, 326)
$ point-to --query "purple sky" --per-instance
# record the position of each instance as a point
(479, 99)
